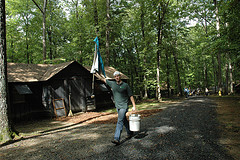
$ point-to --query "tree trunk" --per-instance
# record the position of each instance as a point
(49, 31)
(159, 42)
(231, 77)
(214, 73)
(139, 68)
(27, 44)
(219, 71)
(44, 30)
(50, 42)
(178, 74)
(158, 68)
(12, 53)
(205, 75)
(107, 33)
(77, 13)
(95, 15)
(144, 55)
(218, 52)
(5, 134)
(43, 11)
(227, 78)
(27, 48)
(205, 64)
(78, 23)
(168, 73)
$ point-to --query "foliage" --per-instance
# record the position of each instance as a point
(73, 25)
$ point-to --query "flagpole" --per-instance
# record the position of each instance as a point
(94, 59)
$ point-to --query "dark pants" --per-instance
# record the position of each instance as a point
(186, 94)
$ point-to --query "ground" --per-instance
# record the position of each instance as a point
(229, 117)
(227, 112)
(104, 118)
(38, 127)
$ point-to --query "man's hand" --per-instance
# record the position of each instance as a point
(100, 77)
(134, 108)
(133, 103)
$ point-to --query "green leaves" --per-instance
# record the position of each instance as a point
(133, 34)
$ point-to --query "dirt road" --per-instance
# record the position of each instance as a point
(183, 131)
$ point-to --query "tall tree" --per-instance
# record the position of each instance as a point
(178, 72)
(168, 74)
(218, 51)
(5, 134)
(44, 29)
(107, 33)
(95, 11)
(142, 17)
(43, 11)
(161, 12)
(50, 31)
(27, 38)
(72, 26)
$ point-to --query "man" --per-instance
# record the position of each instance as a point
(186, 91)
(206, 91)
(121, 94)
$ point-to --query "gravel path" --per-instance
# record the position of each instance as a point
(184, 131)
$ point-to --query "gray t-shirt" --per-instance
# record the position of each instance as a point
(121, 93)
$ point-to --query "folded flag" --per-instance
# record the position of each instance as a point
(97, 60)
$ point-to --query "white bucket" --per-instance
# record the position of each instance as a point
(134, 122)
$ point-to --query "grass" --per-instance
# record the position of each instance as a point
(146, 105)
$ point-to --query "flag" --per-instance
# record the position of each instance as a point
(97, 60)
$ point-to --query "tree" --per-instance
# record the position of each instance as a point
(5, 134)
(107, 32)
(162, 10)
(43, 11)
(137, 37)
(142, 18)
(218, 52)
(23, 31)
(229, 12)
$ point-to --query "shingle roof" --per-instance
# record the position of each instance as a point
(54, 69)
(19, 72)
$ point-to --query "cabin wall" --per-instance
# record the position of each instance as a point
(73, 84)
(39, 104)
(26, 106)
(73, 90)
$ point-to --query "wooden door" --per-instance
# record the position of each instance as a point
(78, 94)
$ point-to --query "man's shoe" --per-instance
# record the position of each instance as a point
(115, 142)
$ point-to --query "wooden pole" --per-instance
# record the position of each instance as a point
(94, 60)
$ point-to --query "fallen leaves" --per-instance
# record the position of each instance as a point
(103, 118)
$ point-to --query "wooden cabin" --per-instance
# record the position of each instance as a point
(46, 90)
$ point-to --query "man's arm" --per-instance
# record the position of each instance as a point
(133, 103)
(101, 77)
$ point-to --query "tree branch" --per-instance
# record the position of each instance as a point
(204, 19)
(38, 6)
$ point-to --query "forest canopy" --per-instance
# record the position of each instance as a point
(159, 44)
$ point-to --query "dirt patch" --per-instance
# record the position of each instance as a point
(229, 117)
(103, 118)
